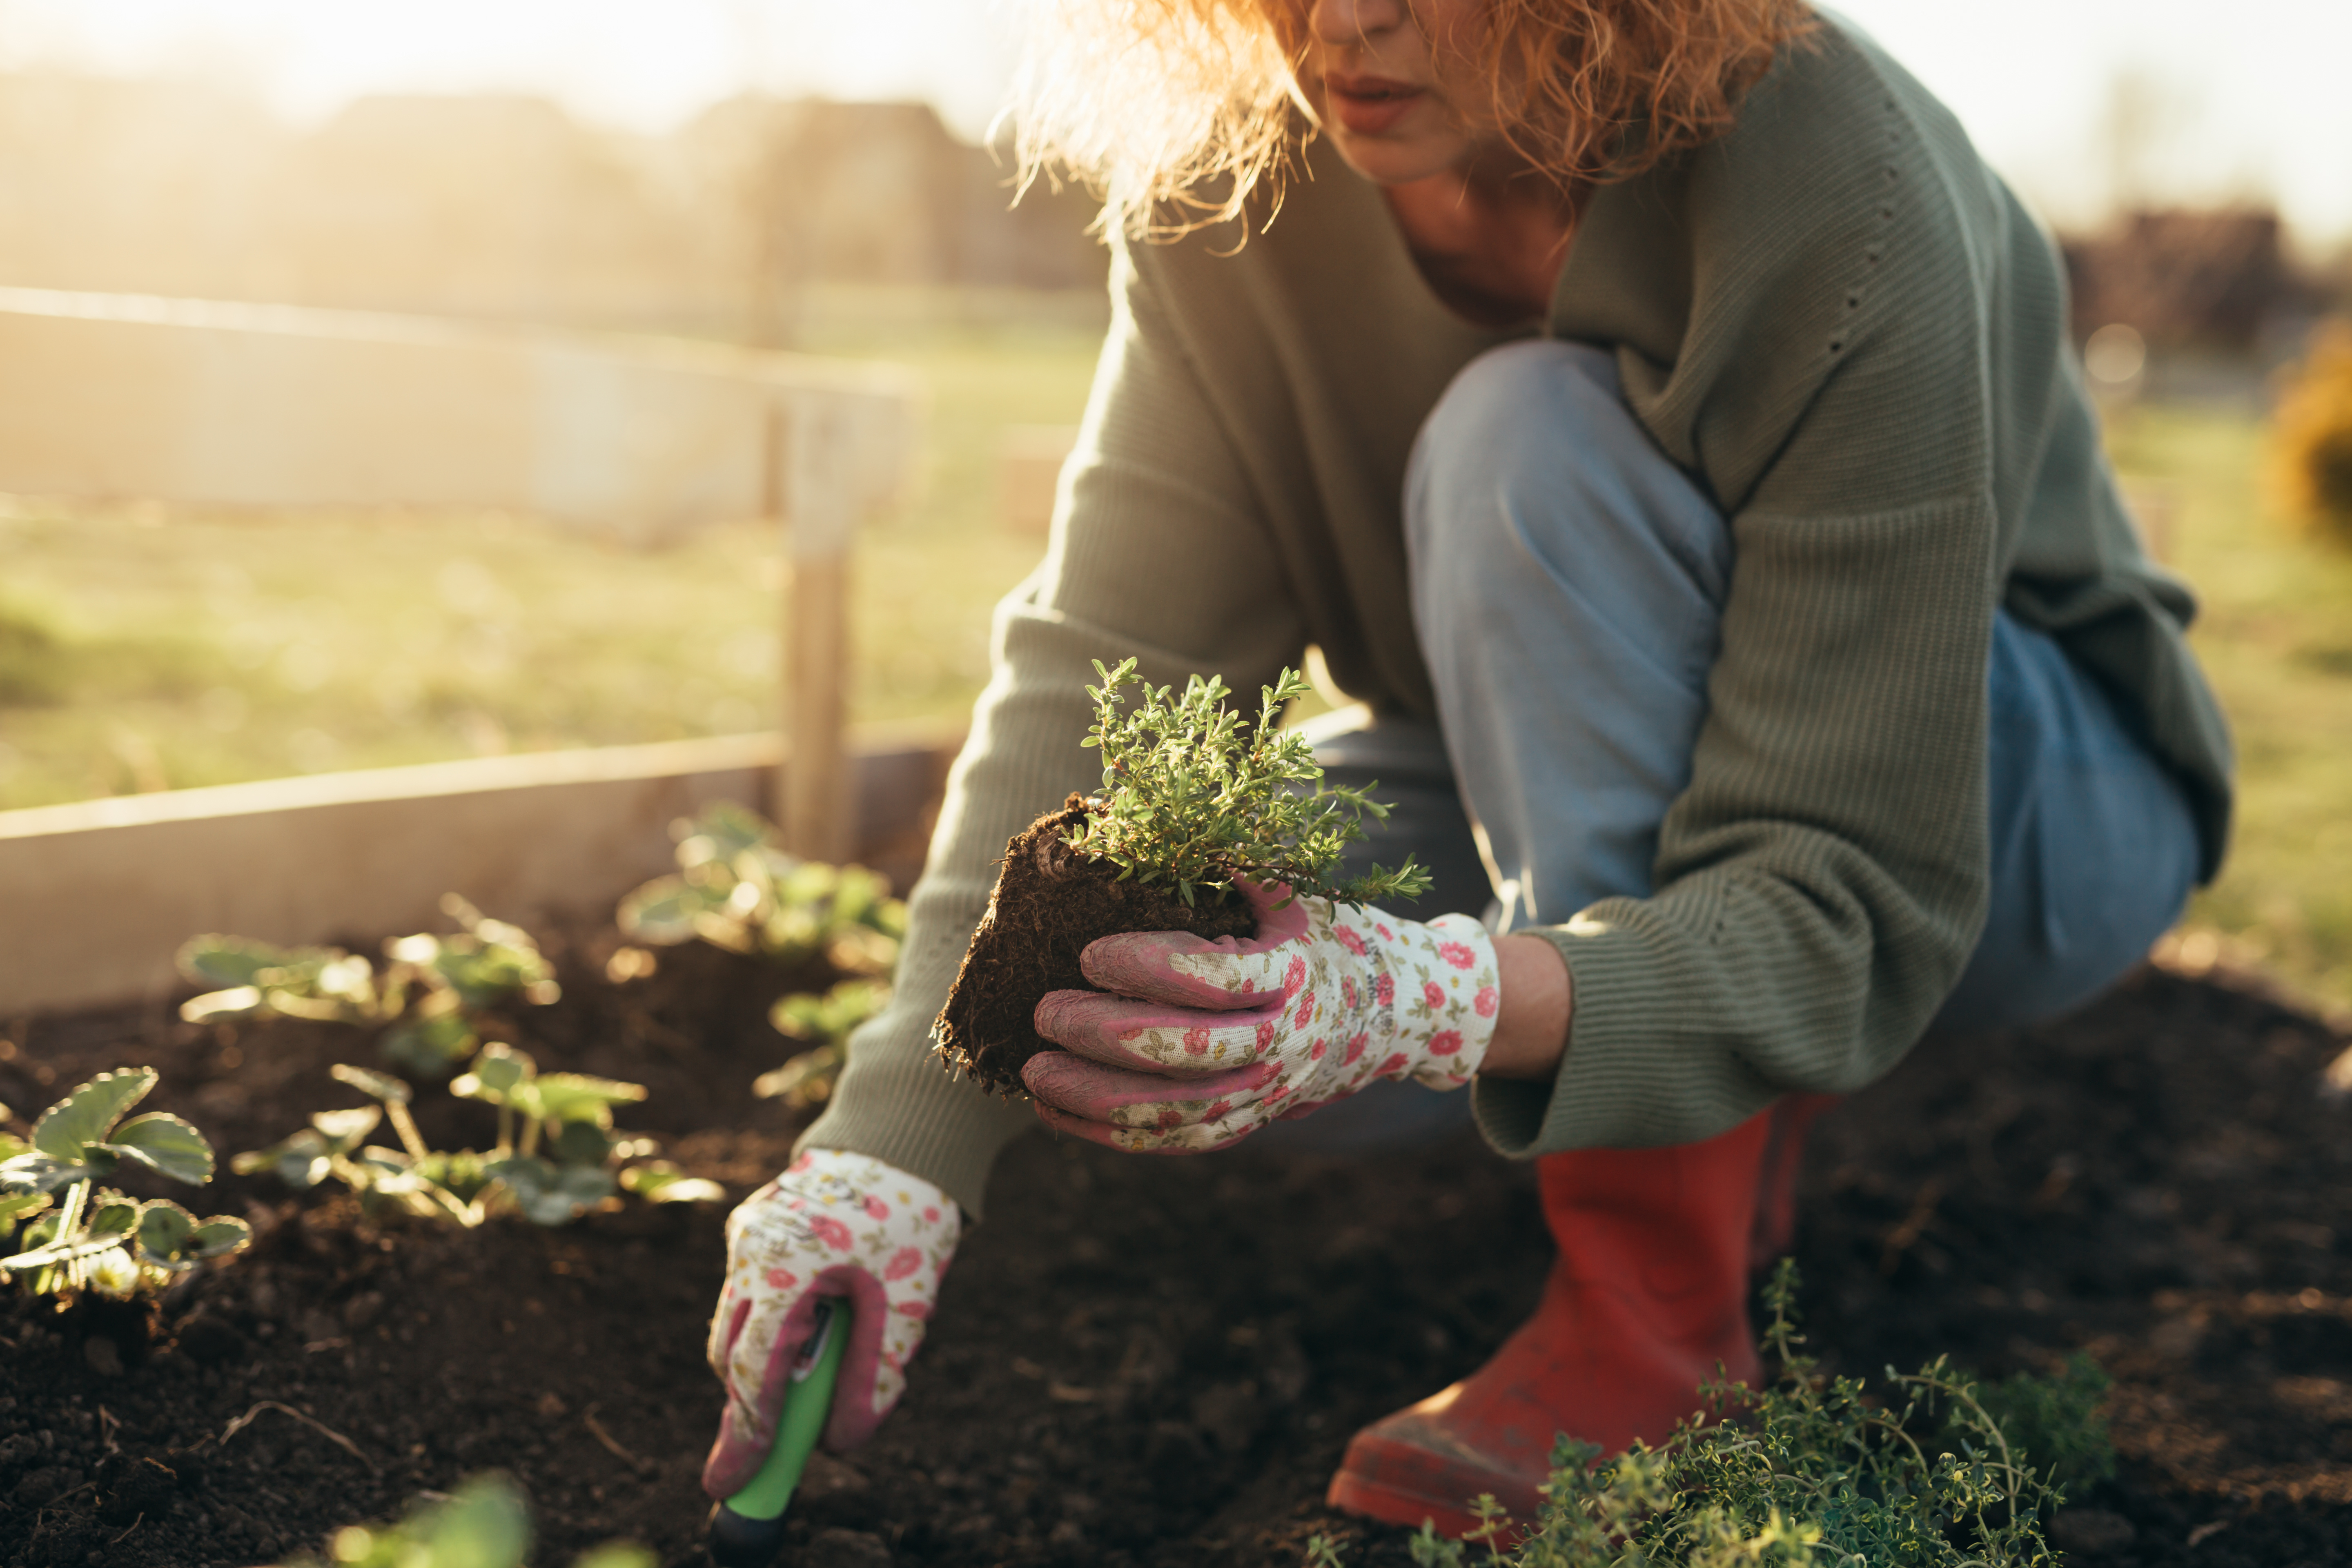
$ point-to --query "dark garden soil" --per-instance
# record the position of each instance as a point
(1048, 903)
(1157, 1361)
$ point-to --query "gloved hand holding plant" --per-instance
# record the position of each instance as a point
(1235, 983)
(1191, 1045)
(835, 1225)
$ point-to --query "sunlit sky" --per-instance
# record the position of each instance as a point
(2244, 100)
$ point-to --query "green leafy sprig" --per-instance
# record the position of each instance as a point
(1194, 795)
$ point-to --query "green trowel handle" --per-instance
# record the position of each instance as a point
(806, 1404)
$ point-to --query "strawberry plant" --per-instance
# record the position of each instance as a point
(735, 888)
(483, 1524)
(556, 1157)
(429, 1001)
(826, 1020)
(76, 1235)
(1195, 796)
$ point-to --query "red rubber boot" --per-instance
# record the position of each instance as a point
(1648, 1295)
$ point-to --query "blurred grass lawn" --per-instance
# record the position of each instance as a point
(2276, 638)
(141, 647)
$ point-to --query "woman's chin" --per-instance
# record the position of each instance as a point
(1392, 160)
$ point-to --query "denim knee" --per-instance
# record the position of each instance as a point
(1532, 459)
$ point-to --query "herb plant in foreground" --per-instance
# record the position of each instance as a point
(556, 1156)
(78, 1235)
(1195, 796)
(1812, 1472)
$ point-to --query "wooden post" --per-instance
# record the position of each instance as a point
(815, 449)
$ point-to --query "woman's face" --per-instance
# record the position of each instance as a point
(1400, 96)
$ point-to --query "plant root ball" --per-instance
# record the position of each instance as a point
(1050, 901)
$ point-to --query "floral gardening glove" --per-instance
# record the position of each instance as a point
(836, 1224)
(1201, 1043)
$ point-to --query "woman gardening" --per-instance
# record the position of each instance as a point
(1661, 400)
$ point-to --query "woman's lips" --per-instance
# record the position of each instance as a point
(1368, 105)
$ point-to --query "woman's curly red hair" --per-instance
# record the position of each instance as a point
(1179, 110)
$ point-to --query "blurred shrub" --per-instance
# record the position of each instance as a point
(2312, 436)
(36, 664)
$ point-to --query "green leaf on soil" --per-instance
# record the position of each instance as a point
(218, 960)
(430, 1044)
(112, 1214)
(221, 1006)
(663, 911)
(581, 1143)
(550, 1195)
(300, 1162)
(39, 1173)
(577, 1097)
(15, 1207)
(84, 1116)
(220, 1235)
(660, 1182)
(164, 1144)
(164, 1231)
(344, 1130)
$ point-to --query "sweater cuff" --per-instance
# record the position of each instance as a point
(1628, 1078)
(900, 1106)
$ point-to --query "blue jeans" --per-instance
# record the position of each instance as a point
(1568, 584)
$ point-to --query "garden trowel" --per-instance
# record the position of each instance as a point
(747, 1528)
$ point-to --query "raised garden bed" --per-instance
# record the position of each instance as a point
(2157, 1181)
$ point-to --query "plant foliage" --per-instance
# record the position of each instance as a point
(735, 888)
(557, 1155)
(429, 1001)
(483, 1525)
(828, 1020)
(72, 1234)
(1194, 796)
(1814, 1472)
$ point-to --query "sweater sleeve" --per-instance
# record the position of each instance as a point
(1853, 326)
(1158, 551)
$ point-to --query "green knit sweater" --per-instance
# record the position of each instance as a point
(1845, 327)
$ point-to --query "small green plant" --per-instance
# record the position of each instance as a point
(557, 1155)
(1194, 796)
(429, 1001)
(735, 888)
(483, 1525)
(78, 1235)
(1811, 1472)
(828, 1020)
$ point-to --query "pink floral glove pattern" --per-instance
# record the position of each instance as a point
(1199, 1044)
(836, 1224)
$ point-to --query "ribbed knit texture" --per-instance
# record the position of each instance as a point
(1845, 327)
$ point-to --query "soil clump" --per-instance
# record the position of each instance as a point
(1049, 902)
(1156, 1364)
